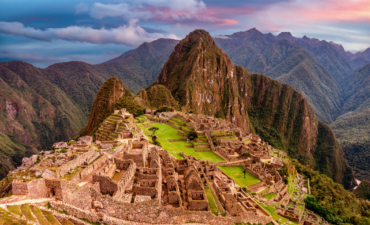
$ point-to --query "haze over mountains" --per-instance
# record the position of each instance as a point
(329, 78)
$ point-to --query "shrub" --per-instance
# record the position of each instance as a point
(192, 135)
(63, 150)
(164, 109)
(71, 143)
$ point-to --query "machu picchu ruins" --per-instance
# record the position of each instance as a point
(120, 176)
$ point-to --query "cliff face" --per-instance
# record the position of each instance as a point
(204, 80)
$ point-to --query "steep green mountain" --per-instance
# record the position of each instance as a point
(281, 59)
(363, 190)
(104, 103)
(35, 113)
(353, 133)
(204, 80)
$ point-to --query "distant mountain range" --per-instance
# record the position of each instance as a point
(328, 77)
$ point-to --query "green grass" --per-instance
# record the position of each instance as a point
(40, 217)
(14, 209)
(290, 185)
(27, 212)
(167, 132)
(237, 174)
(271, 210)
(66, 222)
(211, 201)
(269, 196)
(8, 219)
(50, 217)
(264, 190)
(179, 120)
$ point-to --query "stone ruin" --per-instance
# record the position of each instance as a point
(127, 178)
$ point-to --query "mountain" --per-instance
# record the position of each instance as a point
(35, 113)
(357, 92)
(353, 134)
(280, 58)
(42, 106)
(363, 190)
(202, 78)
(140, 67)
(360, 58)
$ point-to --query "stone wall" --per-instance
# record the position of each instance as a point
(201, 146)
(89, 169)
(107, 185)
(19, 188)
(37, 189)
(125, 180)
(173, 140)
(74, 211)
(75, 195)
(54, 188)
(79, 161)
(251, 217)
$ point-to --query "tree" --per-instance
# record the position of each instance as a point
(153, 129)
(192, 135)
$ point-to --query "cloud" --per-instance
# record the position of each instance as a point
(130, 35)
(159, 10)
(82, 8)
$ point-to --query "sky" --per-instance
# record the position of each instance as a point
(44, 32)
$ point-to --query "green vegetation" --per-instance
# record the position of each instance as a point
(27, 212)
(237, 174)
(271, 210)
(211, 201)
(269, 195)
(50, 217)
(167, 132)
(363, 190)
(66, 222)
(331, 201)
(351, 133)
(7, 218)
(14, 209)
(39, 215)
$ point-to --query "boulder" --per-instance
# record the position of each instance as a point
(48, 174)
(97, 205)
(28, 162)
(85, 140)
(60, 145)
(39, 172)
(47, 163)
(106, 147)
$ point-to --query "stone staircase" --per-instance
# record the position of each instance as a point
(107, 131)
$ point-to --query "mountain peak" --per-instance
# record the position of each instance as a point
(285, 34)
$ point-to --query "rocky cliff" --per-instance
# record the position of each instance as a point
(204, 80)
